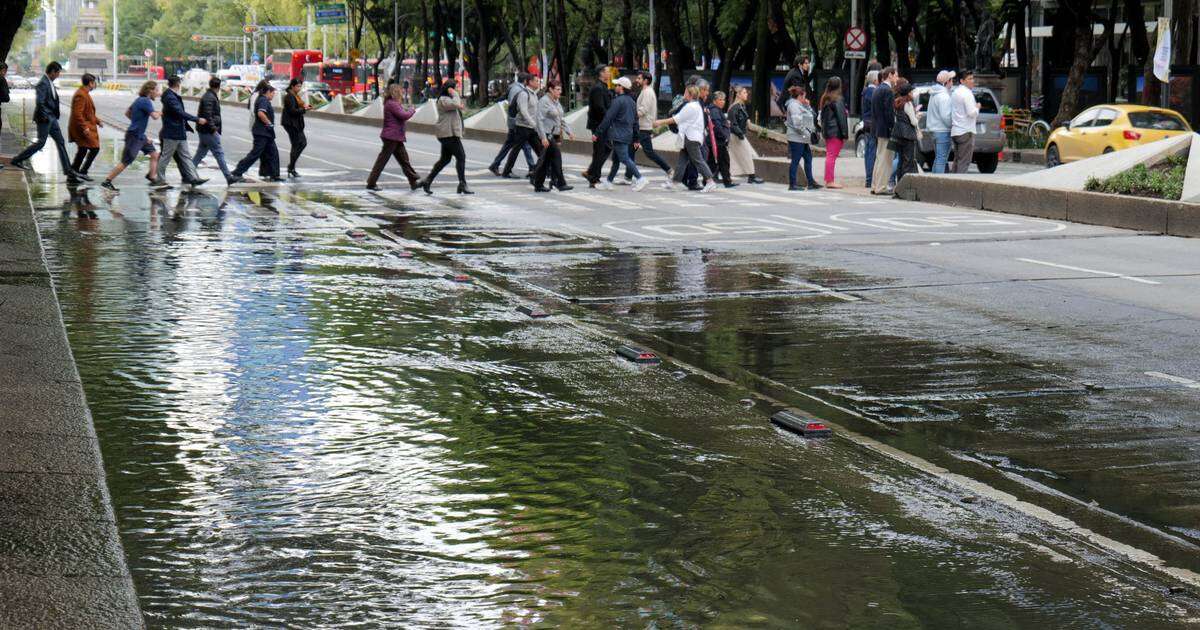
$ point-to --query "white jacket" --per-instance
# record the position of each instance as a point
(647, 108)
(939, 116)
(690, 121)
(964, 111)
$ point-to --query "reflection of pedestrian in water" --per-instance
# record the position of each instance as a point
(80, 204)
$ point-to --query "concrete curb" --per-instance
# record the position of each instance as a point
(61, 560)
(1159, 216)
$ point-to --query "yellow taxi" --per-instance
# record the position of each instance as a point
(1108, 128)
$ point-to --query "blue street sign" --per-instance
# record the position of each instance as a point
(280, 29)
(254, 58)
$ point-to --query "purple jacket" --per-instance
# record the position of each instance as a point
(394, 117)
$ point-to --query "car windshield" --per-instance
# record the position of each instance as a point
(1162, 121)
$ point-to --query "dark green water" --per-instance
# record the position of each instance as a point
(305, 430)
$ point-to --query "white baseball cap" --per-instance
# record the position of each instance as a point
(945, 75)
(624, 82)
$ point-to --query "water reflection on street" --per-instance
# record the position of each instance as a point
(303, 428)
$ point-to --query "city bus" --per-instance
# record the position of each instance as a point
(289, 64)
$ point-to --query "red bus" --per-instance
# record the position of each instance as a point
(289, 64)
(150, 72)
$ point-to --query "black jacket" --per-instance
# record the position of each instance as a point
(720, 125)
(883, 111)
(598, 101)
(175, 117)
(833, 120)
(293, 112)
(210, 110)
(739, 120)
(47, 101)
(620, 121)
(3, 90)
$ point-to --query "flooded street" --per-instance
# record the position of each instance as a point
(306, 426)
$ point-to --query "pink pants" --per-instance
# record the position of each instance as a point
(833, 146)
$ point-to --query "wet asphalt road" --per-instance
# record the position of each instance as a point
(1047, 357)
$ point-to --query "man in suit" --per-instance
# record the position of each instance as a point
(883, 116)
(174, 132)
(45, 115)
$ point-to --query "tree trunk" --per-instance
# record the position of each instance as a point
(14, 15)
(761, 98)
(1083, 53)
(882, 37)
(679, 56)
(627, 35)
(1023, 57)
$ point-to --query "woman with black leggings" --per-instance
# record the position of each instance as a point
(449, 133)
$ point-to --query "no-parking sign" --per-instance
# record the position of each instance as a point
(855, 43)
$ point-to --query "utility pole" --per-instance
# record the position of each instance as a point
(653, 49)
(545, 64)
(308, 26)
(116, 40)
(462, 40)
(1166, 87)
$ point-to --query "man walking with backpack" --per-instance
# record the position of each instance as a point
(525, 124)
(510, 140)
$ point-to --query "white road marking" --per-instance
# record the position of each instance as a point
(1084, 270)
(947, 222)
(1186, 382)
(809, 285)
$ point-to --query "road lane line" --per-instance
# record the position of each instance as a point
(1084, 270)
(1186, 382)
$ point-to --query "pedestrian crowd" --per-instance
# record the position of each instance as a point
(710, 130)
(892, 130)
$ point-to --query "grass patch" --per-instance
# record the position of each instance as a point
(1162, 181)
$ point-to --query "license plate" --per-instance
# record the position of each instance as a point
(980, 128)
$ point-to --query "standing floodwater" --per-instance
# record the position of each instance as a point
(301, 428)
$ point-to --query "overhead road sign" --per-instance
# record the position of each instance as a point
(331, 13)
(280, 29)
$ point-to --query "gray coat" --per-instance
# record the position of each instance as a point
(550, 118)
(513, 91)
(527, 108)
(801, 122)
(449, 122)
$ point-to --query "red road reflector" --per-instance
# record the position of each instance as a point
(404, 253)
(637, 355)
(356, 234)
(458, 277)
(532, 311)
(805, 426)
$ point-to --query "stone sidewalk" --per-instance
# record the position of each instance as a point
(61, 560)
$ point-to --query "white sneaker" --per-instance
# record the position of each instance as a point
(640, 184)
(667, 185)
(624, 182)
(606, 185)
(709, 187)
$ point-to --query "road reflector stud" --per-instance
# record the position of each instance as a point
(747, 402)
(532, 311)
(404, 253)
(356, 234)
(637, 355)
(806, 427)
(458, 277)
(679, 375)
(320, 215)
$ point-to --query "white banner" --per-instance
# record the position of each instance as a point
(1162, 54)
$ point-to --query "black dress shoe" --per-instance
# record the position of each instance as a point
(235, 179)
(540, 189)
(276, 179)
(293, 174)
(795, 188)
(463, 190)
(814, 186)
(198, 182)
(373, 187)
(414, 184)
(494, 170)
(730, 185)
(425, 185)
(83, 176)
(564, 188)
(508, 176)
(108, 185)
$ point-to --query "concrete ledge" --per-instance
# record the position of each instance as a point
(1158, 216)
(61, 560)
(1120, 211)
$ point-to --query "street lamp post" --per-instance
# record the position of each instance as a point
(116, 40)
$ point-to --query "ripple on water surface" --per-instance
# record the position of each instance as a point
(302, 430)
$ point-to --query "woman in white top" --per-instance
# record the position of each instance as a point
(690, 121)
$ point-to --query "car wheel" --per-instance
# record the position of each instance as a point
(1107, 150)
(987, 162)
(1052, 157)
(860, 146)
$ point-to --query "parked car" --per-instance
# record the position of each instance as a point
(989, 132)
(18, 82)
(1107, 128)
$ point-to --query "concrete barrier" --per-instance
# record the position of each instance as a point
(1030, 202)
(1120, 211)
(373, 111)
(492, 118)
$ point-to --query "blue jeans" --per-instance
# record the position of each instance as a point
(211, 143)
(48, 129)
(621, 155)
(941, 148)
(869, 156)
(895, 170)
(800, 151)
